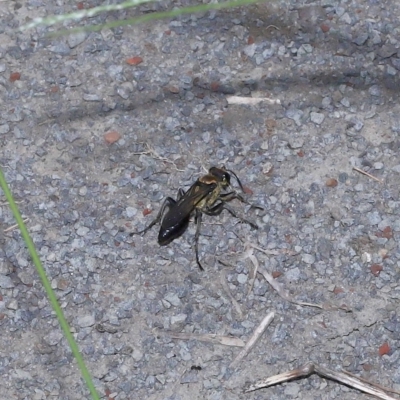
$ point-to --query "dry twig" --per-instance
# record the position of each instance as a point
(269, 252)
(310, 368)
(273, 282)
(150, 151)
(278, 286)
(253, 339)
(228, 292)
(5, 203)
(367, 174)
(12, 227)
(250, 100)
(375, 384)
(211, 338)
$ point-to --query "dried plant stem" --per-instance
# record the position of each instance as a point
(341, 377)
(367, 174)
(210, 338)
(253, 339)
(150, 151)
(12, 227)
(273, 282)
(251, 100)
(228, 292)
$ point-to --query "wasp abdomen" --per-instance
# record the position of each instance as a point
(169, 233)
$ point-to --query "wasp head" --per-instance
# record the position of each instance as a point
(220, 175)
(223, 177)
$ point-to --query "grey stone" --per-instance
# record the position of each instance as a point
(173, 299)
(242, 278)
(75, 39)
(250, 50)
(86, 321)
(396, 63)
(82, 231)
(53, 337)
(4, 128)
(268, 53)
(308, 258)
(375, 90)
(190, 377)
(391, 71)
(186, 111)
(339, 11)
(125, 90)
(60, 48)
(361, 39)
(172, 123)
(292, 389)
(345, 102)
(293, 275)
(295, 115)
(375, 37)
(374, 217)
(386, 51)
(185, 355)
(26, 278)
(296, 142)
(6, 282)
(91, 97)
(130, 212)
(317, 118)
(346, 18)
(12, 305)
(178, 321)
(357, 123)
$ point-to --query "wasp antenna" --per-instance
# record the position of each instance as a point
(238, 180)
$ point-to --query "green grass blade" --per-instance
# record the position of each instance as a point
(90, 12)
(50, 293)
(136, 20)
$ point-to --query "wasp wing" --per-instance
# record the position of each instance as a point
(184, 206)
(176, 220)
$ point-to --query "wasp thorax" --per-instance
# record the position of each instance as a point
(208, 179)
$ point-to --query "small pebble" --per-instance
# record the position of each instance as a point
(112, 137)
(86, 321)
(331, 182)
(6, 282)
(134, 60)
(308, 258)
(296, 142)
(75, 39)
(242, 278)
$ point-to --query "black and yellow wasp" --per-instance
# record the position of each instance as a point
(208, 195)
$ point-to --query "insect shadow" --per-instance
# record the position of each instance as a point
(208, 195)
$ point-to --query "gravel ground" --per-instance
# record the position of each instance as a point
(96, 129)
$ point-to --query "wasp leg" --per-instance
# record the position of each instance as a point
(216, 210)
(197, 220)
(234, 195)
(181, 193)
(168, 202)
